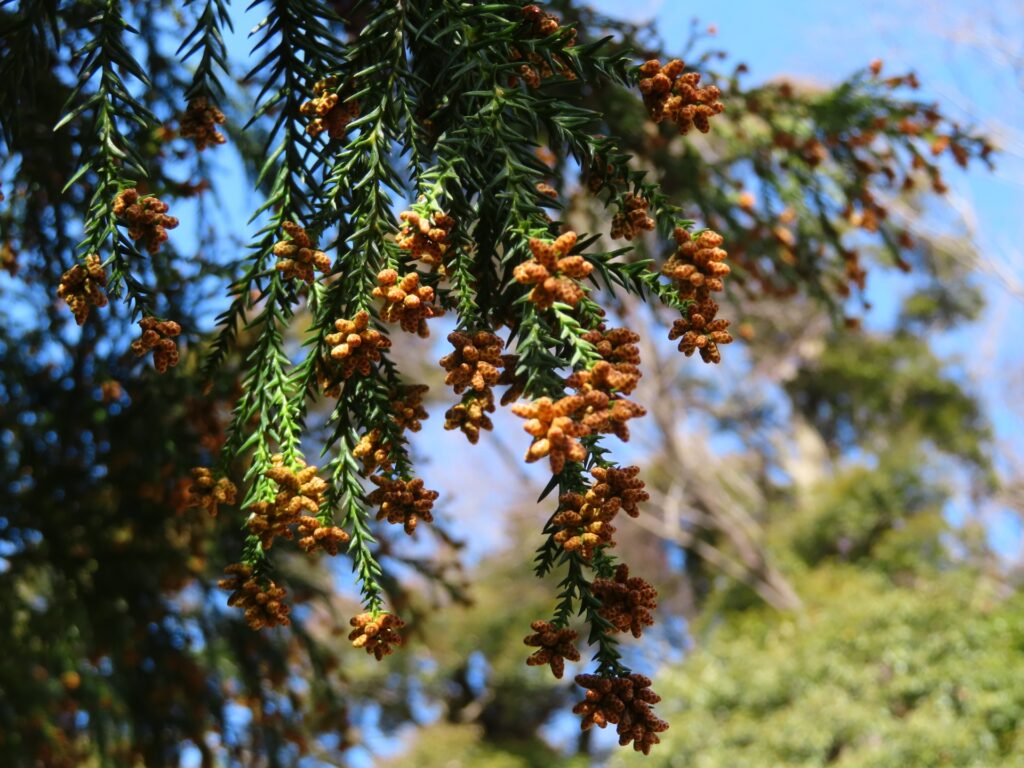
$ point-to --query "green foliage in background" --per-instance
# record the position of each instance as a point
(872, 674)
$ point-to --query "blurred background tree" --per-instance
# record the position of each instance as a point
(818, 604)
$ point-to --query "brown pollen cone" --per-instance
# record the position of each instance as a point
(158, 337)
(618, 346)
(262, 600)
(356, 346)
(145, 217)
(476, 361)
(404, 502)
(632, 219)
(537, 70)
(314, 534)
(407, 407)
(583, 527)
(554, 645)
(207, 492)
(426, 238)
(406, 302)
(670, 94)
(470, 415)
(697, 266)
(553, 273)
(298, 492)
(554, 432)
(619, 486)
(699, 330)
(541, 24)
(626, 603)
(199, 123)
(606, 413)
(372, 451)
(82, 287)
(296, 257)
(377, 634)
(327, 110)
(605, 377)
(547, 190)
(626, 703)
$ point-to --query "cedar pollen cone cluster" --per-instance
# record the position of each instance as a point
(671, 95)
(475, 365)
(407, 414)
(698, 265)
(376, 633)
(82, 287)
(470, 416)
(260, 598)
(554, 645)
(373, 451)
(297, 507)
(145, 217)
(296, 256)
(406, 302)
(314, 534)
(553, 273)
(697, 268)
(632, 219)
(407, 411)
(158, 337)
(626, 603)
(402, 502)
(425, 236)
(199, 123)
(699, 331)
(356, 346)
(299, 491)
(597, 407)
(625, 702)
(584, 521)
(537, 24)
(208, 492)
(554, 430)
(327, 110)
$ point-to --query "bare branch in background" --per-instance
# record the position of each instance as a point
(697, 490)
